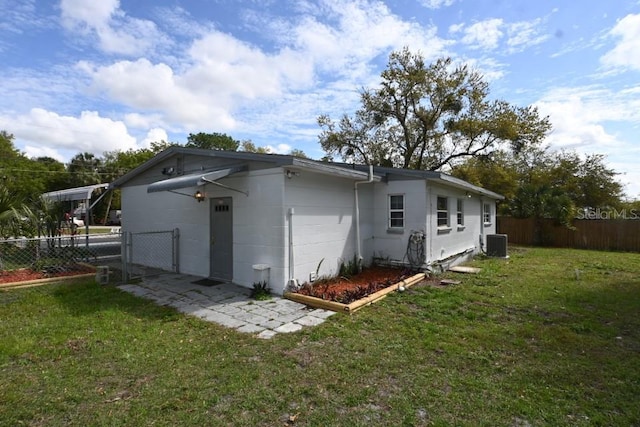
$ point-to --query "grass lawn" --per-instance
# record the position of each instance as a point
(528, 341)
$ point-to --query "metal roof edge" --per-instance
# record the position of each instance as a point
(332, 169)
(460, 183)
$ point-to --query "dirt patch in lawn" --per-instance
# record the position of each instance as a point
(348, 289)
(28, 275)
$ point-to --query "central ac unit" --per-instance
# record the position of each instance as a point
(497, 245)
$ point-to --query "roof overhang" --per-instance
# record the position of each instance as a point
(70, 194)
(464, 185)
(194, 179)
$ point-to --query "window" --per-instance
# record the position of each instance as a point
(460, 212)
(486, 213)
(443, 212)
(396, 211)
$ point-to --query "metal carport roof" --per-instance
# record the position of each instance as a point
(77, 193)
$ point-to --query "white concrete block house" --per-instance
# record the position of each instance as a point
(294, 215)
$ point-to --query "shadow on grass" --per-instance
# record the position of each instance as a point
(87, 297)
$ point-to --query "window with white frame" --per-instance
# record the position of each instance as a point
(443, 212)
(486, 213)
(396, 211)
(460, 212)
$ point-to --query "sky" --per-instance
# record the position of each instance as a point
(95, 76)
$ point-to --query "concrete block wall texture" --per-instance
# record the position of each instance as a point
(448, 241)
(258, 225)
(392, 244)
(323, 223)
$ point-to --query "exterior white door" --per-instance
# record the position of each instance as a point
(221, 239)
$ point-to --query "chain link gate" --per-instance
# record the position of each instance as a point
(149, 253)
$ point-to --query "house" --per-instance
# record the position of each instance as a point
(243, 215)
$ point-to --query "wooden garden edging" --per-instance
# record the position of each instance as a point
(40, 282)
(356, 305)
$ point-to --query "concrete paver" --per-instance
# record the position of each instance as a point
(228, 305)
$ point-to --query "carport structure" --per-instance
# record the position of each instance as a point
(78, 194)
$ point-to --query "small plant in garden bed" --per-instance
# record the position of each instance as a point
(261, 291)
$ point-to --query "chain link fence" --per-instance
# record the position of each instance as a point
(35, 258)
(149, 253)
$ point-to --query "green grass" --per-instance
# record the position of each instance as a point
(525, 342)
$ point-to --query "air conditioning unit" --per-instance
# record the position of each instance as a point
(497, 245)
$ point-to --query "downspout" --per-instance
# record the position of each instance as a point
(291, 283)
(355, 190)
(482, 225)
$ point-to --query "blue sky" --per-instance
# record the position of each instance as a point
(103, 75)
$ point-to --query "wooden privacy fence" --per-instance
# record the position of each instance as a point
(599, 234)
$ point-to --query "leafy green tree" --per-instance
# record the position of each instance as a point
(250, 147)
(23, 178)
(85, 169)
(429, 117)
(542, 184)
(495, 173)
(9, 204)
(212, 141)
(56, 176)
(295, 152)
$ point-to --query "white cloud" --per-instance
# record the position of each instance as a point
(484, 34)
(20, 16)
(279, 149)
(116, 32)
(490, 69)
(577, 115)
(582, 119)
(456, 28)
(524, 34)
(154, 135)
(625, 53)
(39, 151)
(154, 87)
(490, 33)
(436, 4)
(142, 121)
(220, 75)
(44, 131)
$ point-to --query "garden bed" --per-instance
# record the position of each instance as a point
(27, 276)
(348, 294)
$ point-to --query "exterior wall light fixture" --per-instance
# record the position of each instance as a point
(199, 196)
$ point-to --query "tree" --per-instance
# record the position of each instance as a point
(9, 204)
(212, 141)
(250, 147)
(495, 173)
(22, 177)
(542, 184)
(85, 169)
(295, 152)
(429, 117)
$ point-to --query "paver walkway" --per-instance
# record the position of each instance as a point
(228, 305)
